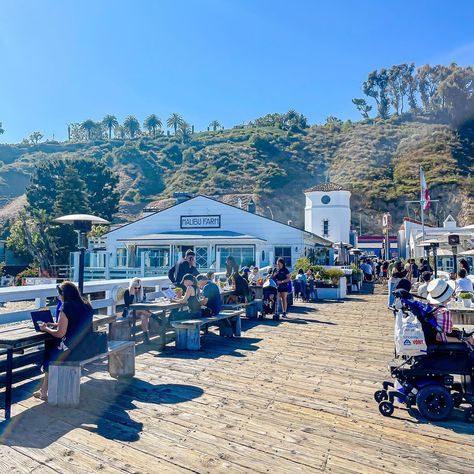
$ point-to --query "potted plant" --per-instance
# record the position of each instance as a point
(466, 298)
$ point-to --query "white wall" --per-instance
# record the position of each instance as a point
(232, 219)
(337, 212)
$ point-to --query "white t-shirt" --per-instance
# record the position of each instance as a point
(464, 284)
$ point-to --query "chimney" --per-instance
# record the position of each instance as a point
(251, 207)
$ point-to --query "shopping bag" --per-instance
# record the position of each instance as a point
(409, 336)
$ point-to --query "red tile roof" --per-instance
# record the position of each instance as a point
(326, 187)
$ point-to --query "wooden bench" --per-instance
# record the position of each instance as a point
(65, 377)
(251, 308)
(23, 352)
(188, 331)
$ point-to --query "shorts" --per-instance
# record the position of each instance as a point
(283, 288)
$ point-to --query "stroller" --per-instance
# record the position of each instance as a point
(437, 381)
(270, 299)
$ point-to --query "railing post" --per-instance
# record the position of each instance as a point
(111, 309)
(107, 266)
(142, 264)
(75, 274)
(40, 302)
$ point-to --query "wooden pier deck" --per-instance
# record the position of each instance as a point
(287, 397)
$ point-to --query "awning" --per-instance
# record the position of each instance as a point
(186, 236)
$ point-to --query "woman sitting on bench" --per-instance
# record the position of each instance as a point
(191, 296)
(134, 294)
(70, 332)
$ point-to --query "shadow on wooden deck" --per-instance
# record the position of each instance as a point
(104, 409)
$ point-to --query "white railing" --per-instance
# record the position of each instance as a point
(39, 294)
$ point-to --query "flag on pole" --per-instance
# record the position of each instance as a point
(425, 193)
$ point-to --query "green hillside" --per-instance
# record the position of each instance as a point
(377, 160)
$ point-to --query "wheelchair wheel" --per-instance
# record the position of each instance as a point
(434, 402)
(469, 415)
(457, 399)
(386, 408)
(380, 395)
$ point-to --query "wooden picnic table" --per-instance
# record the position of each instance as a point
(18, 337)
(162, 310)
(461, 314)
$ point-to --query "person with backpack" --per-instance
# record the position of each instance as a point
(184, 267)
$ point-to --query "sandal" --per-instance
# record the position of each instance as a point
(40, 396)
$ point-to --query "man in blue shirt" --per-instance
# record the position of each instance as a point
(210, 296)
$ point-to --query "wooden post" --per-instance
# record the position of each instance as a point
(193, 340)
(40, 302)
(120, 330)
(64, 385)
(251, 310)
(122, 364)
(238, 326)
(181, 336)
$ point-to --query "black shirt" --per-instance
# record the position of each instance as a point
(184, 268)
(79, 316)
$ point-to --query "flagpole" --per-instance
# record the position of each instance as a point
(422, 204)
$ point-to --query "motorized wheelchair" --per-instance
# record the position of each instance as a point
(436, 382)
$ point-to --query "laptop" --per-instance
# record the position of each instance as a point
(43, 315)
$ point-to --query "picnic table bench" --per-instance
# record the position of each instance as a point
(161, 311)
(188, 331)
(18, 339)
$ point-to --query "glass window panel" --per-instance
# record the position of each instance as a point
(244, 256)
(285, 253)
(201, 257)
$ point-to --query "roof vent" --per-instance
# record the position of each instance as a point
(181, 197)
(251, 207)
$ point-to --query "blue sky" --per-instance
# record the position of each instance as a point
(232, 60)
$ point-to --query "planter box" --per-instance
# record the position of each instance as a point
(333, 293)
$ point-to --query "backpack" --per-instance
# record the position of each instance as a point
(173, 272)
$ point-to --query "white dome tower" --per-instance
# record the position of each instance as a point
(328, 212)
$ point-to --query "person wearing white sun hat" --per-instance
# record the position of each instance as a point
(439, 293)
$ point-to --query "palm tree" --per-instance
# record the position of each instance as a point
(184, 131)
(110, 122)
(175, 121)
(131, 125)
(88, 125)
(151, 123)
(2, 131)
(119, 131)
(214, 125)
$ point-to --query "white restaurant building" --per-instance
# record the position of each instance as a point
(213, 229)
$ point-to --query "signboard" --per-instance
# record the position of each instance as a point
(200, 222)
(38, 281)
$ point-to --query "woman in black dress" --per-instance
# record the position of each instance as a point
(71, 332)
(281, 275)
